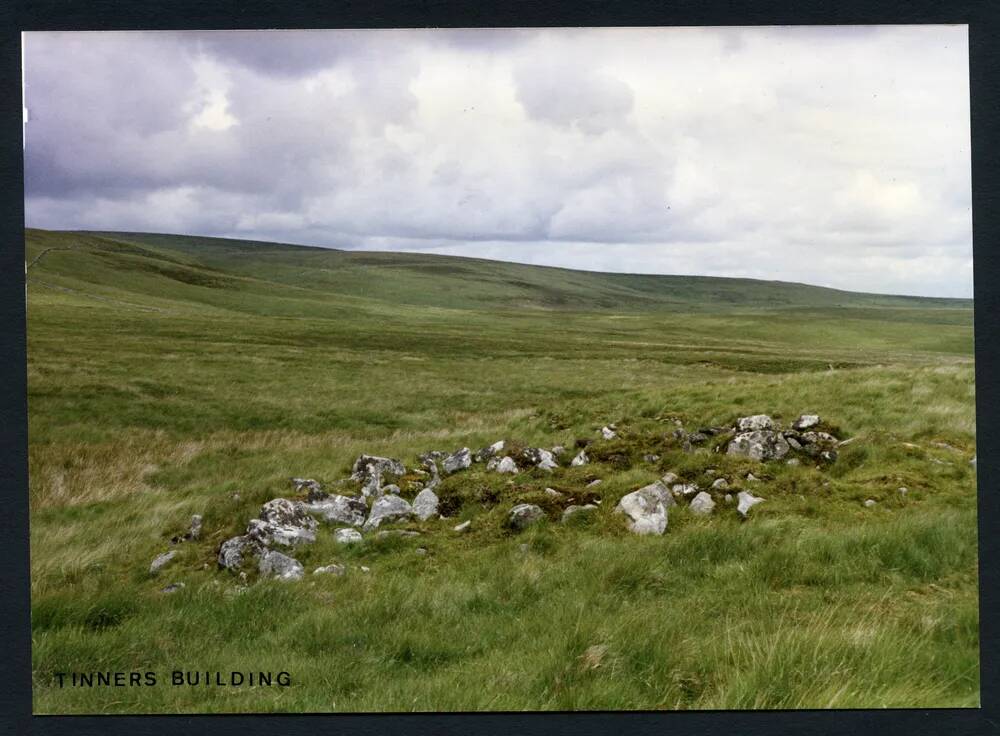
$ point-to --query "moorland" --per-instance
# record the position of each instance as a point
(172, 376)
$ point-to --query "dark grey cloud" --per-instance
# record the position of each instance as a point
(831, 155)
(281, 54)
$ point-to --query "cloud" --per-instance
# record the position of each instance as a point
(835, 155)
(563, 92)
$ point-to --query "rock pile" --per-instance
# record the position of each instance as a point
(286, 524)
(759, 437)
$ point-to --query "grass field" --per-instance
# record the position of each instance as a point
(168, 373)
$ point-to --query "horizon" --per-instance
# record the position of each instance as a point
(833, 156)
(110, 233)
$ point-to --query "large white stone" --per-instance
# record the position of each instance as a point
(347, 536)
(459, 460)
(388, 508)
(755, 422)
(745, 502)
(340, 510)
(276, 565)
(425, 505)
(646, 509)
(507, 465)
(806, 421)
(702, 504)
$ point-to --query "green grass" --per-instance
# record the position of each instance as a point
(167, 373)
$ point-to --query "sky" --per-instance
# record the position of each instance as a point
(830, 155)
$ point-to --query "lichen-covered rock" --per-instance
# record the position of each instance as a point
(660, 490)
(646, 509)
(608, 433)
(819, 438)
(388, 509)
(425, 505)
(595, 482)
(507, 465)
(759, 445)
(755, 423)
(553, 493)
(806, 421)
(745, 502)
(536, 457)
(341, 510)
(260, 531)
(580, 459)
(347, 536)
(432, 457)
(371, 487)
(283, 522)
(820, 445)
(488, 453)
(702, 504)
(870, 503)
(720, 484)
(161, 561)
(464, 527)
(458, 460)
(313, 496)
(524, 515)
(237, 551)
(277, 565)
(669, 479)
(366, 465)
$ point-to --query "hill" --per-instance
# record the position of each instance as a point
(319, 277)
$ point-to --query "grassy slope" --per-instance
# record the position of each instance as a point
(449, 281)
(166, 373)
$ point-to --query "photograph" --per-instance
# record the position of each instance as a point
(500, 369)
